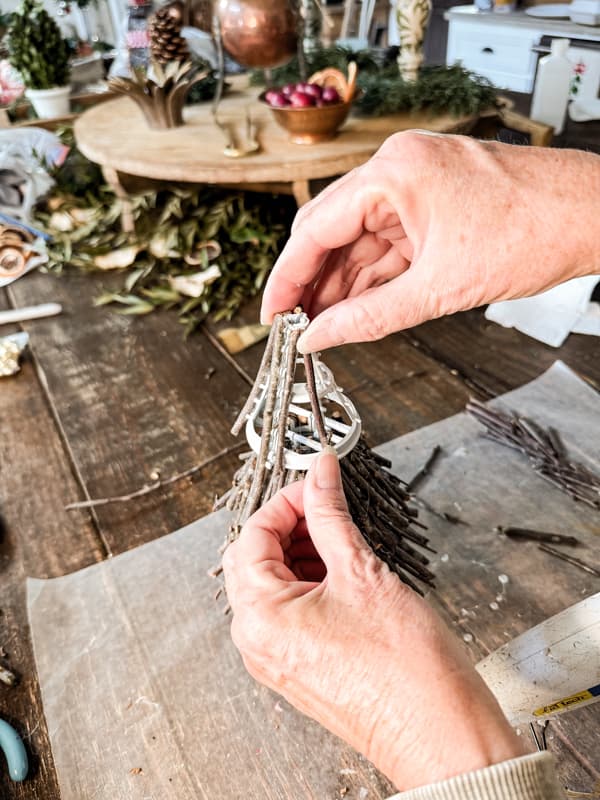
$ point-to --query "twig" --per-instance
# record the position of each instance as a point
(540, 740)
(260, 377)
(539, 536)
(158, 484)
(576, 562)
(256, 488)
(311, 386)
(284, 403)
(451, 518)
(425, 470)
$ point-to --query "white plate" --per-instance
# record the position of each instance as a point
(550, 11)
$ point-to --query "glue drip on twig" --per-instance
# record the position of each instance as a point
(294, 409)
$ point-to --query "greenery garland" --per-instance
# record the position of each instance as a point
(248, 231)
(441, 90)
(334, 56)
(245, 232)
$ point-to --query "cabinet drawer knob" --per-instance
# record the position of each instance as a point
(487, 49)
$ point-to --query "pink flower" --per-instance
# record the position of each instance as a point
(579, 68)
(11, 85)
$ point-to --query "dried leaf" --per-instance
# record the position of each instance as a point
(133, 278)
(164, 244)
(61, 221)
(117, 259)
(82, 215)
(161, 294)
(203, 253)
(140, 308)
(194, 285)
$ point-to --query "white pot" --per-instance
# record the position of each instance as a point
(49, 103)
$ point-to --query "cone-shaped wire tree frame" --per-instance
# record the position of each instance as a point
(288, 421)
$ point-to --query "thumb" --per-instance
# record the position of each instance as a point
(329, 523)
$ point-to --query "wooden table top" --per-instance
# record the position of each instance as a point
(103, 400)
(115, 134)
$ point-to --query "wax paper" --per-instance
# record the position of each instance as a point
(145, 696)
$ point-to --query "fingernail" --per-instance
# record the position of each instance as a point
(303, 344)
(327, 469)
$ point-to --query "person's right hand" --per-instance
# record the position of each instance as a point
(434, 224)
(320, 619)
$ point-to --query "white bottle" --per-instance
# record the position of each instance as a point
(552, 86)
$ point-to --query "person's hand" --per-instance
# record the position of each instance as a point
(320, 619)
(434, 224)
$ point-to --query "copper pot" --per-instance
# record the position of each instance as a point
(258, 33)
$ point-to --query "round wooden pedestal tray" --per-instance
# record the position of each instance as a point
(115, 135)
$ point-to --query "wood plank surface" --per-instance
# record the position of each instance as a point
(133, 397)
(493, 359)
(119, 398)
(37, 537)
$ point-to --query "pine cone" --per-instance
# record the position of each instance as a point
(166, 42)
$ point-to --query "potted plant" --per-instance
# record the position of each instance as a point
(38, 51)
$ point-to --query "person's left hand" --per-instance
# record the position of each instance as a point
(320, 619)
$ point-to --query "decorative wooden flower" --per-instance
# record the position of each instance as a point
(161, 93)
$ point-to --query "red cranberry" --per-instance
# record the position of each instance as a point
(314, 90)
(330, 95)
(288, 89)
(277, 99)
(301, 100)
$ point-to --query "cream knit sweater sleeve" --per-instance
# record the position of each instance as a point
(530, 777)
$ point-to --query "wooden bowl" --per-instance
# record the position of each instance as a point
(311, 125)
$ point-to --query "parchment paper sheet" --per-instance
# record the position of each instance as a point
(136, 666)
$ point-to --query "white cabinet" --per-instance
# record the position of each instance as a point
(503, 55)
(499, 46)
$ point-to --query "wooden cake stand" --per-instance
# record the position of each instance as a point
(116, 136)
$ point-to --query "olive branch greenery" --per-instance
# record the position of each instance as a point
(172, 228)
(169, 224)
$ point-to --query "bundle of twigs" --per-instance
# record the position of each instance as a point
(544, 448)
(378, 500)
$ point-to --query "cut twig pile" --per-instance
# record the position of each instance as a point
(544, 448)
(378, 500)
